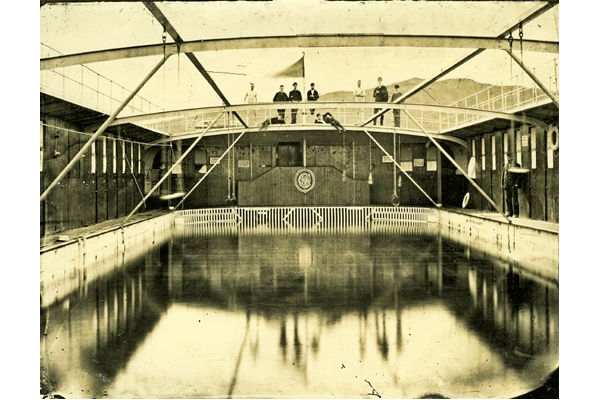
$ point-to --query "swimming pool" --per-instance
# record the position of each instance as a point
(346, 315)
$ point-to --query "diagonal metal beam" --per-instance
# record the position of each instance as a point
(153, 8)
(101, 130)
(210, 170)
(444, 152)
(534, 78)
(522, 20)
(175, 164)
(401, 169)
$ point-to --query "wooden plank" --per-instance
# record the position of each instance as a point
(525, 191)
(74, 183)
(538, 178)
(111, 176)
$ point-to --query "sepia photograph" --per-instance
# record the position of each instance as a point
(299, 199)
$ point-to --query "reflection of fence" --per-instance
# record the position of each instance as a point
(299, 220)
(85, 87)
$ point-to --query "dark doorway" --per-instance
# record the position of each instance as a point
(289, 155)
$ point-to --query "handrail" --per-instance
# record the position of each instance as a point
(187, 123)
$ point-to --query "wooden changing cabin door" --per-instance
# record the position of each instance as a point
(289, 155)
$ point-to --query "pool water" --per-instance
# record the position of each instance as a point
(323, 316)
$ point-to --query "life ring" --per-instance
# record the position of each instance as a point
(552, 143)
(395, 200)
(466, 200)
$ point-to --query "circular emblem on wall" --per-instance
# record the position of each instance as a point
(304, 180)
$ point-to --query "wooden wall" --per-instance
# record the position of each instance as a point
(539, 196)
(84, 197)
(260, 180)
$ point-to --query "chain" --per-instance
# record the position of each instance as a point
(510, 43)
(521, 39)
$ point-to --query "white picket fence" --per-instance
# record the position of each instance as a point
(303, 220)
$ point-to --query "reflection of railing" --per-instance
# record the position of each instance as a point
(83, 86)
(299, 220)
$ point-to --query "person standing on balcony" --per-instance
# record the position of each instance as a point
(397, 94)
(312, 95)
(251, 98)
(380, 94)
(295, 97)
(281, 97)
(359, 97)
(511, 182)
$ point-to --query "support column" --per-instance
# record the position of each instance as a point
(439, 176)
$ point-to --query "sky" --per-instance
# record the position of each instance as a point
(71, 28)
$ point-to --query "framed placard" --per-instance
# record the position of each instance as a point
(214, 160)
(243, 163)
(419, 162)
(387, 159)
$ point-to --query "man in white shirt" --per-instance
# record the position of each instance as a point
(359, 96)
(251, 98)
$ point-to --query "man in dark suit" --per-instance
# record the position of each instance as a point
(295, 97)
(281, 97)
(380, 94)
(312, 95)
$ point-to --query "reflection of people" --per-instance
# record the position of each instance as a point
(251, 98)
(295, 97)
(359, 96)
(511, 183)
(397, 94)
(319, 120)
(312, 95)
(281, 97)
(327, 117)
(380, 94)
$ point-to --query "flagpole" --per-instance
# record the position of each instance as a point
(303, 90)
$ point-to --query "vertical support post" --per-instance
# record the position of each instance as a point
(439, 176)
(99, 132)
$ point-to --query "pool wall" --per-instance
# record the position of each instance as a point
(69, 266)
(535, 249)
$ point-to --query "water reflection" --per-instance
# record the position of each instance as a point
(315, 316)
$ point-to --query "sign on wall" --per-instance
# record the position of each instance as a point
(214, 160)
(419, 162)
(243, 163)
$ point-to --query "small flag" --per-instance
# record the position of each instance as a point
(296, 70)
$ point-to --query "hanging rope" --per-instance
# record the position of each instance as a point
(164, 42)
(228, 200)
(344, 155)
(521, 40)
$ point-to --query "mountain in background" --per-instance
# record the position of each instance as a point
(443, 92)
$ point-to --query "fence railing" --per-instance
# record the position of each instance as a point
(305, 220)
(85, 87)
